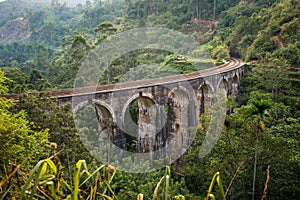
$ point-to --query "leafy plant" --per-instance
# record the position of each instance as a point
(216, 178)
(44, 170)
(46, 181)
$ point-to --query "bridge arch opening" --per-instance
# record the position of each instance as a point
(100, 111)
(106, 122)
(96, 125)
(204, 98)
(234, 86)
(223, 85)
(178, 114)
(140, 124)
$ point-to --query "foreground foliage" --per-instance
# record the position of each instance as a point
(261, 130)
(20, 145)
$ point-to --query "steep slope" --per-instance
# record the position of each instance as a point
(271, 33)
(16, 30)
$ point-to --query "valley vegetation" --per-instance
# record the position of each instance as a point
(42, 48)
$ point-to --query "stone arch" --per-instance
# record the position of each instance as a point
(105, 106)
(234, 86)
(204, 97)
(182, 89)
(145, 126)
(132, 98)
(82, 104)
(178, 115)
(223, 85)
(236, 75)
(106, 122)
(242, 73)
(105, 117)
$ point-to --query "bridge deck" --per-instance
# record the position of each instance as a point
(229, 66)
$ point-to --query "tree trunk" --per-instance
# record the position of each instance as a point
(255, 160)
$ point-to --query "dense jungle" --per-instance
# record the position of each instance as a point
(44, 43)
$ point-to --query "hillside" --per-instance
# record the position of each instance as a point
(35, 37)
(16, 30)
(256, 155)
(11, 9)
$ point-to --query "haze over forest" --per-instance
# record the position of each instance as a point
(69, 2)
(74, 2)
(257, 156)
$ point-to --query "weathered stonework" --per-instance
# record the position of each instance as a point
(165, 112)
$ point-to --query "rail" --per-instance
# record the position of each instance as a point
(64, 93)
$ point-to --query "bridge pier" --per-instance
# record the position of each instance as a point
(164, 113)
(146, 121)
(177, 122)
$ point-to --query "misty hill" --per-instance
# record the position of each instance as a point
(54, 38)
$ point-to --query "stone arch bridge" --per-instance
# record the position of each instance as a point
(166, 107)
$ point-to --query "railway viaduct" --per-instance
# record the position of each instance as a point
(166, 107)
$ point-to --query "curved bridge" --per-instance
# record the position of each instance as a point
(165, 107)
(234, 66)
(223, 73)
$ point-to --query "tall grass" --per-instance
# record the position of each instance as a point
(45, 182)
(166, 177)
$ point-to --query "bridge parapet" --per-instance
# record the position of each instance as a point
(165, 107)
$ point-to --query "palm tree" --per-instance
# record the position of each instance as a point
(257, 111)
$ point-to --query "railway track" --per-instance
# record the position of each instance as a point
(64, 93)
